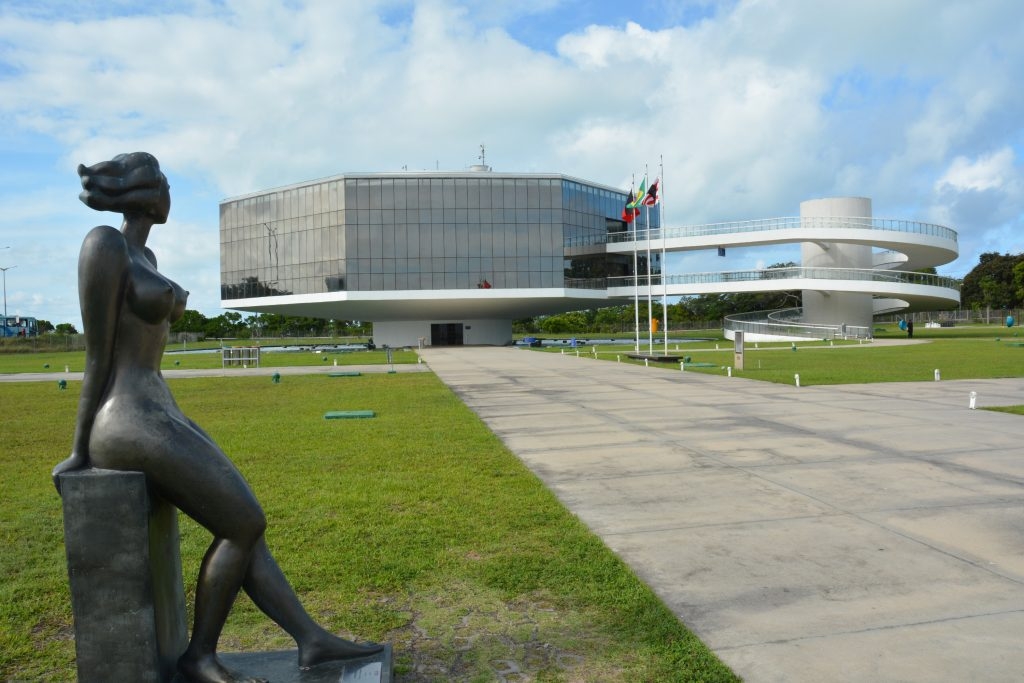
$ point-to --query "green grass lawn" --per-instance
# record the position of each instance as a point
(57, 361)
(1015, 410)
(958, 353)
(417, 527)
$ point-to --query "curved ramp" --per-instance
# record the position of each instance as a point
(923, 245)
(922, 290)
(904, 247)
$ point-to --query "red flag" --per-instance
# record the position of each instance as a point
(651, 198)
(630, 212)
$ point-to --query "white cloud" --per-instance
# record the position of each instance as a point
(994, 171)
(753, 109)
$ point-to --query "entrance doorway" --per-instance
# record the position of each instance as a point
(446, 334)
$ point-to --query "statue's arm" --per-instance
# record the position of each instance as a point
(102, 270)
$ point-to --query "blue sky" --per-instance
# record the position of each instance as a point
(754, 105)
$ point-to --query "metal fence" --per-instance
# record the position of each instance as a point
(819, 223)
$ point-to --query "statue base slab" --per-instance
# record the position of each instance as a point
(281, 666)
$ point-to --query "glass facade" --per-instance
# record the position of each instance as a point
(420, 231)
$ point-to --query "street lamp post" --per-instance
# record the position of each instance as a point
(5, 294)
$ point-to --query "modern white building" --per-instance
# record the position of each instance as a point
(454, 258)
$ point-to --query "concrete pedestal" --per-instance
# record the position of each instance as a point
(282, 667)
(125, 572)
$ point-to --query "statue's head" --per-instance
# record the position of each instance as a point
(128, 184)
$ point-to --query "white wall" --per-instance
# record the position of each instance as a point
(474, 332)
(488, 332)
(836, 308)
(403, 333)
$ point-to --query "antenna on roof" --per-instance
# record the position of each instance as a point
(482, 166)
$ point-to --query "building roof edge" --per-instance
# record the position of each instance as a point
(421, 174)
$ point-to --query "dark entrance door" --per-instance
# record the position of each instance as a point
(446, 334)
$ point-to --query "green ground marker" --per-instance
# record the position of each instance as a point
(348, 414)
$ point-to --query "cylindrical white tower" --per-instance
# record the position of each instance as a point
(836, 308)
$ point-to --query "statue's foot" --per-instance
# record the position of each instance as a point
(330, 648)
(210, 670)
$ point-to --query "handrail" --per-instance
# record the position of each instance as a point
(773, 323)
(794, 273)
(767, 224)
(585, 283)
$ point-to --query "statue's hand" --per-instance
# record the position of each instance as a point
(70, 464)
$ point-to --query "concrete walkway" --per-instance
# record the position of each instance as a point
(853, 533)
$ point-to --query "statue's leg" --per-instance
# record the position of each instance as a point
(269, 589)
(192, 473)
(215, 593)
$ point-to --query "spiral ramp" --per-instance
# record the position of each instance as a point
(854, 267)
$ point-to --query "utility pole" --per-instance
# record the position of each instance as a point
(5, 295)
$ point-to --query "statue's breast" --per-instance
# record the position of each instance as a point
(153, 297)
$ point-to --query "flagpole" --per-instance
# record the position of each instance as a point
(661, 222)
(650, 310)
(636, 279)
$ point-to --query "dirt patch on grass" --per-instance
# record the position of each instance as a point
(466, 636)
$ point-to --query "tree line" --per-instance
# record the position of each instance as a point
(233, 325)
(997, 282)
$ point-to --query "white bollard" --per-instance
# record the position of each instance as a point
(335, 362)
(618, 358)
(646, 364)
(937, 375)
(563, 352)
(67, 368)
(974, 399)
(577, 353)
(728, 372)
(797, 378)
(682, 366)
(716, 347)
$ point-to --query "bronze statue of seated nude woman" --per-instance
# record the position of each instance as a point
(128, 420)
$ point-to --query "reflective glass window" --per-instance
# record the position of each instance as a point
(398, 188)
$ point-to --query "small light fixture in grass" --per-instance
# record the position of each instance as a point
(348, 414)
(276, 378)
(62, 384)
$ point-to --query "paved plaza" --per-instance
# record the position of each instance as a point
(842, 533)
